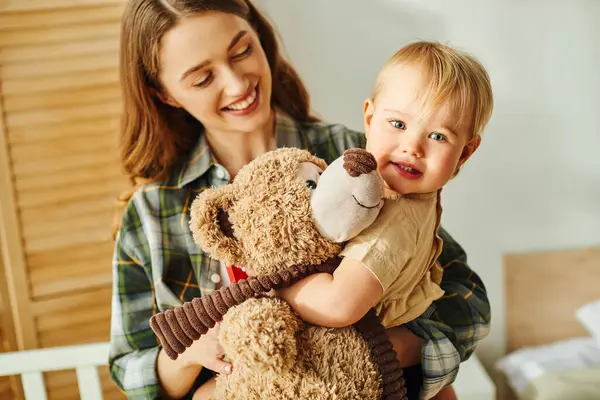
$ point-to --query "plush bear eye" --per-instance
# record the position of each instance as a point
(309, 173)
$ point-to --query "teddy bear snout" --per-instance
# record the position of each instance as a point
(358, 162)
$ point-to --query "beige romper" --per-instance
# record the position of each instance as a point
(401, 249)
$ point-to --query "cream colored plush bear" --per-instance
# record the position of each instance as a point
(285, 215)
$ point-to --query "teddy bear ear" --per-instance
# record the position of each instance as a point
(210, 225)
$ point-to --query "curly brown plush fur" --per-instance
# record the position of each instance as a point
(271, 216)
(292, 360)
(275, 355)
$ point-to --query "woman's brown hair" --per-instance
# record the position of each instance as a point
(154, 135)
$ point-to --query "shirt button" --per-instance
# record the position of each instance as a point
(215, 278)
(220, 173)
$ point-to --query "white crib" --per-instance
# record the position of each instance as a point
(31, 364)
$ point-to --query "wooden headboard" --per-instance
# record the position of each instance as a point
(543, 291)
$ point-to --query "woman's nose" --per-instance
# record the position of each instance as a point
(234, 84)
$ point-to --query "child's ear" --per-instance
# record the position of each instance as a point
(368, 111)
(468, 151)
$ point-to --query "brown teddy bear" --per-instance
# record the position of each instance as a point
(285, 215)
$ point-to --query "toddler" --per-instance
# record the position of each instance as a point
(424, 120)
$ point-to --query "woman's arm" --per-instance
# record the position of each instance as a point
(451, 329)
(336, 300)
(136, 361)
(205, 392)
(407, 345)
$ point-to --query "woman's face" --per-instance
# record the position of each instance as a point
(213, 66)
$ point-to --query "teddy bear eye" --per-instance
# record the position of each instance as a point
(311, 184)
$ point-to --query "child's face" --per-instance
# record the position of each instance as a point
(414, 155)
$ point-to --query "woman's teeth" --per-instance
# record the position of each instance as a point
(243, 104)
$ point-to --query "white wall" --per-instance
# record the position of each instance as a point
(535, 183)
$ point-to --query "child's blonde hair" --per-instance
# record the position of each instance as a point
(450, 75)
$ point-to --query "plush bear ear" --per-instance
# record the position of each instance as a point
(211, 226)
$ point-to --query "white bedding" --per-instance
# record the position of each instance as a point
(524, 366)
(577, 384)
(569, 368)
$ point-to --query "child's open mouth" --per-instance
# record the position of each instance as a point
(407, 170)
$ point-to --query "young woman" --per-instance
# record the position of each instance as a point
(206, 90)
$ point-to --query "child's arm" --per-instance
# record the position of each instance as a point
(336, 300)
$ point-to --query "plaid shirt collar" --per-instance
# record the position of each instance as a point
(201, 159)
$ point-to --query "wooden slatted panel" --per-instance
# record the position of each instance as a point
(85, 322)
(61, 105)
(6, 342)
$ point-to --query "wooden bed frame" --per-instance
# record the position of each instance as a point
(543, 291)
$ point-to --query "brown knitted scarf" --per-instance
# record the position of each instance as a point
(177, 328)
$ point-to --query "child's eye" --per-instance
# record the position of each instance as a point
(398, 124)
(437, 137)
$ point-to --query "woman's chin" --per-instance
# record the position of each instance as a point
(255, 121)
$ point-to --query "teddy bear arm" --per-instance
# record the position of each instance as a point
(261, 333)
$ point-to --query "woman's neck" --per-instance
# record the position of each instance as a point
(233, 150)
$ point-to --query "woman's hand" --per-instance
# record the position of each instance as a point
(178, 376)
(407, 345)
(207, 352)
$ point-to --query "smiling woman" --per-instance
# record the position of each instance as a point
(201, 82)
(175, 80)
(224, 82)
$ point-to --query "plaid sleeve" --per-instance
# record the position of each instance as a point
(455, 323)
(133, 345)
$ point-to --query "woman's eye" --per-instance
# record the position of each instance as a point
(398, 124)
(437, 137)
(204, 81)
(311, 184)
(244, 51)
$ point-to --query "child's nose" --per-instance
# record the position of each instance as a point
(413, 147)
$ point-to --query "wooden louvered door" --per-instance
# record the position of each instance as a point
(59, 172)
(7, 337)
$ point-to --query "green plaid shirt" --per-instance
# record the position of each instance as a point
(157, 266)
